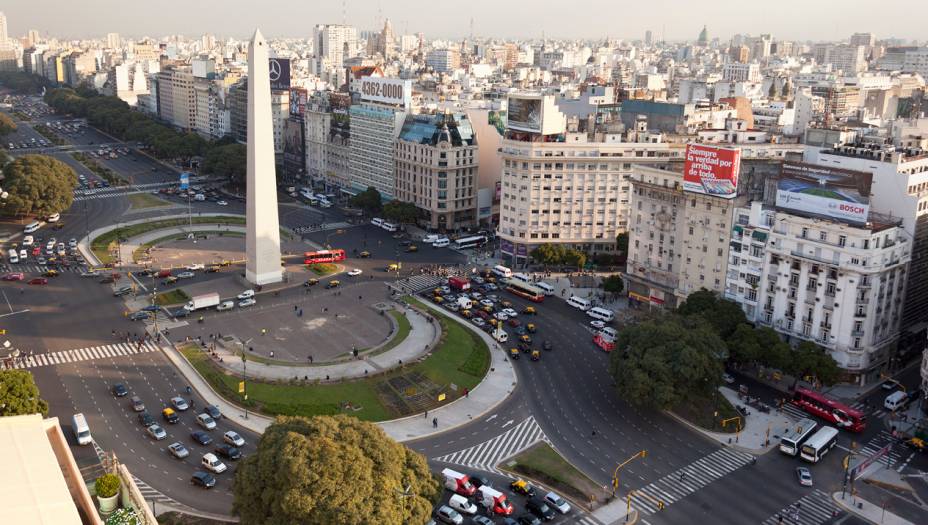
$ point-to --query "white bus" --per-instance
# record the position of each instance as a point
(545, 287)
(602, 314)
(522, 277)
(470, 242)
(819, 444)
(791, 442)
(389, 226)
(501, 271)
(377, 221)
(579, 302)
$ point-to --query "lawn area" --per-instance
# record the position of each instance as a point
(544, 464)
(141, 201)
(172, 297)
(102, 245)
(701, 411)
(323, 269)
(461, 358)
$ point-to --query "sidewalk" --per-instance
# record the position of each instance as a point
(615, 513)
(868, 511)
(127, 249)
(759, 430)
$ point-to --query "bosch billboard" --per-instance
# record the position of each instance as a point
(712, 170)
(824, 191)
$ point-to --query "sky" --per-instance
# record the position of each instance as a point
(676, 19)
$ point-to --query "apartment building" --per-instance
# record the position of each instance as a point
(375, 124)
(177, 99)
(443, 60)
(436, 169)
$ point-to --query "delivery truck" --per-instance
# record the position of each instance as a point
(202, 301)
(461, 284)
(457, 482)
(494, 501)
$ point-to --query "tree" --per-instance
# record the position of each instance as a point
(743, 345)
(332, 470)
(613, 284)
(621, 242)
(400, 212)
(19, 394)
(229, 161)
(38, 185)
(661, 362)
(369, 201)
(548, 254)
(809, 359)
(7, 125)
(724, 315)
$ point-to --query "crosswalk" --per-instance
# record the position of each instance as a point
(797, 413)
(814, 509)
(38, 268)
(687, 480)
(895, 455)
(417, 283)
(487, 455)
(118, 191)
(84, 354)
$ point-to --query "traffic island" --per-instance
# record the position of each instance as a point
(542, 463)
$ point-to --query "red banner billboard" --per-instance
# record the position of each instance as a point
(711, 170)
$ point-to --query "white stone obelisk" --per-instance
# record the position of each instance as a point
(262, 240)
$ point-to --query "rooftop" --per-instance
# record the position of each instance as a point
(434, 128)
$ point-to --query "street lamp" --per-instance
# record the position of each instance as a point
(244, 375)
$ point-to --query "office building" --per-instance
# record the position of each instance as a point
(443, 60)
(849, 59)
(333, 44)
(113, 41)
(4, 35)
(740, 72)
(376, 122)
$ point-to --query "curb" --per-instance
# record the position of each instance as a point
(709, 435)
(190, 511)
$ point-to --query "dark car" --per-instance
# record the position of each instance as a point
(203, 479)
(140, 315)
(107, 280)
(228, 451)
(546, 345)
(481, 520)
(528, 519)
(146, 420)
(120, 390)
(478, 481)
(213, 411)
(539, 508)
(180, 312)
(201, 437)
(151, 308)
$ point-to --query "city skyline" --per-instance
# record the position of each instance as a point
(801, 21)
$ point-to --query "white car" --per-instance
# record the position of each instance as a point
(231, 437)
(28, 240)
(72, 243)
(225, 305)
(557, 502)
(186, 275)
(222, 203)
(212, 463)
(510, 312)
(90, 273)
(354, 273)
(462, 505)
(486, 302)
(246, 303)
(247, 294)
(500, 316)
(196, 266)
(179, 404)
(206, 422)
(156, 432)
(178, 450)
(597, 324)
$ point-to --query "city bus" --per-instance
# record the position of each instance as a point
(324, 256)
(792, 441)
(525, 290)
(470, 242)
(819, 444)
(841, 415)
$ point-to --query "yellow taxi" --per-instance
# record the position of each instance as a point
(531, 328)
(536, 355)
(169, 415)
(412, 248)
(487, 308)
(437, 299)
(505, 304)
(333, 284)
(514, 353)
(494, 321)
(365, 254)
(466, 314)
(393, 267)
(530, 310)
(527, 339)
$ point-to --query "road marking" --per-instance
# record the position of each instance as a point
(491, 418)
(812, 509)
(486, 455)
(14, 313)
(85, 354)
(506, 424)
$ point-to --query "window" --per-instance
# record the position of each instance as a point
(842, 240)
(805, 232)
(823, 236)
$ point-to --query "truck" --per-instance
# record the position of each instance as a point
(459, 283)
(202, 301)
(457, 482)
(494, 501)
(465, 303)
(603, 341)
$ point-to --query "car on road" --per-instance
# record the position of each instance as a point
(889, 384)
(231, 437)
(486, 302)
(479, 480)
(546, 345)
(186, 275)
(170, 415)
(355, 272)
(15, 276)
(206, 422)
(597, 324)
(151, 308)
(90, 273)
(156, 432)
(212, 463)
(41, 261)
(120, 390)
(140, 315)
(520, 486)
(203, 479)
(222, 203)
(38, 280)
(539, 508)
(311, 282)
(229, 452)
(446, 514)
(333, 284)
(528, 519)
(179, 403)
(137, 404)
(28, 240)
(365, 254)
(178, 450)
(72, 243)
(109, 279)
(213, 268)
(225, 305)
(804, 476)
(462, 505)
(213, 411)
(146, 420)
(180, 312)
(500, 316)
(246, 303)
(247, 294)
(201, 437)
(556, 502)
(481, 520)
(510, 312)
(196, 266)
(478, 321)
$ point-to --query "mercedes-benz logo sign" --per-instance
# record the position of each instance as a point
(274, 70)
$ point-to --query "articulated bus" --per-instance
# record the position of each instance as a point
(324, 256)
(470, 242)
(841, 415)
(525, 290)
(791, 442)
(818, 445)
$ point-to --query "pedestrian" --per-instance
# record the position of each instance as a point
(593, 434)
(466, 392)
(310, 359)
(294, 308)
(272, 354)
(426, 416)
(435, 422)
(301, 313)
(682, 475)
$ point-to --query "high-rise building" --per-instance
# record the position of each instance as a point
(740, 72)
(113, 41)
(375, 124)
(32, 37)
(443, 60)
(866, 40)
(333, 44)
(849, 59)
(648, 36)
(4, 36)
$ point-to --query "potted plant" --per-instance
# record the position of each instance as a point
(124, 516)
(107, 489)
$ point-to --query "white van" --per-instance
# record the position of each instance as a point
(894, 400)
(442, 243)
(32, 227)
(389, 226)
(602, 314)
(13, 256)
(55, 217)
(522, 277)
(431, 238)
(579, 302)
(199, 197)
(544, 287)
(502, 271)
(81, 429)
(377, 221)
(325, 203)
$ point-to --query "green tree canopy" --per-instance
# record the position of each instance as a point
(7, 125)
(557, 254)
(660, 362)
(369, 201)
(19, 394)
(229, 161)
(621, 242)
(332, 470)
(38, 185)
(613, 284)
(400, 212)
(22, 82)
(724, 315)
(810, 360)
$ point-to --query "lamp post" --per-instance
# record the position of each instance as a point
(244, 375)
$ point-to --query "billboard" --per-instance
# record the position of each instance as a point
(279, 70)
(294, 147)
(340, 124)
(524, 114)
(711, 170)
(387, 90)
(184, 180)
(824, 191)
(298, 101)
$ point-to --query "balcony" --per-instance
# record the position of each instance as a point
(809, 299)
(857, 333)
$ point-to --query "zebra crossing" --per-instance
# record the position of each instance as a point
(84, 354)
(417, 283)
(687, 480)
(883, 438)
(485, 456)
(37, 268)
(797, 413)
(813, 509)
(879, 412)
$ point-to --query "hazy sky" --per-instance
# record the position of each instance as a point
(678, 19)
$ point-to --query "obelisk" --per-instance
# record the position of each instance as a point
(262, 239)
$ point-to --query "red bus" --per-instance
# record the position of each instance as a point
(525, 290)
(324, 256)
(830, 410)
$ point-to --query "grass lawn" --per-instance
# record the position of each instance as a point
(701, 411)
(140, 201)
(102, 244)
(543, 463)
(323, 269)
(461, 358)
(172, 297)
